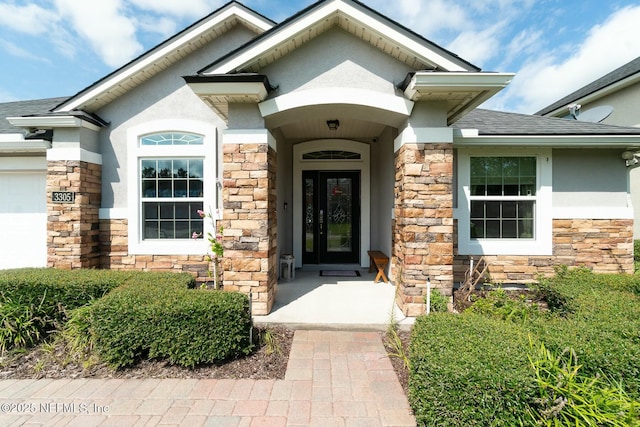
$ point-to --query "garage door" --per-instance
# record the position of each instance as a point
(23, 219)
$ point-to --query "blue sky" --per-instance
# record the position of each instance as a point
(54, 48)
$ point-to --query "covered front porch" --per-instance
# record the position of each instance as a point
(310, 300)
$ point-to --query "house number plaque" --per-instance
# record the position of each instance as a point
(63, 196)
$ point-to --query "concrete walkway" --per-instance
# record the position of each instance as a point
(334, 378)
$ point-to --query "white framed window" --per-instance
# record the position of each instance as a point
(172, 197)
(504, 205)
(171, 176)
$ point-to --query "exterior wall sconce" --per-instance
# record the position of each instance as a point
(630, 158)
(333, 124)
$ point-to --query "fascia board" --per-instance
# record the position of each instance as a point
(457, 81)
(230, 88)
(48, 122)
(594, 96)
(230, 13)
(564, 141)
(337, 6)
(26, 146)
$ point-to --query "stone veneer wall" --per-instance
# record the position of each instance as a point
(115, 254)
(423, 235)
(603, 245)
(73, 228)
(249, 221)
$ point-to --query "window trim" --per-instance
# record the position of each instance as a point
(542, 243)
(136, 152)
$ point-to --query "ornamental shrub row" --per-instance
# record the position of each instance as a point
(35, 301)
(187, 327)
(474, 369)
(468, 370)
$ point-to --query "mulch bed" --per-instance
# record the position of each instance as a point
(49, 361)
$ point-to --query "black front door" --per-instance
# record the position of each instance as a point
(331, 216)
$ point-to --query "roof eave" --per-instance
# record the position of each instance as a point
(54, 121)
(470, 88)
(96, 91)
(469, 138)
(562, 110)
(243, 58)
(217, 91)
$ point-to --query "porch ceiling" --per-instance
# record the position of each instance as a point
(349, 129)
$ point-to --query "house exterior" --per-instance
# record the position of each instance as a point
(335, 132)
(613, 99)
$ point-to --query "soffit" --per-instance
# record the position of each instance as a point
(163, 56)
(353, 17)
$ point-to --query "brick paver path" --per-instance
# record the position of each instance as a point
(334, 378)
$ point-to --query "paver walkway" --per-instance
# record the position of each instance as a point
(334, 378)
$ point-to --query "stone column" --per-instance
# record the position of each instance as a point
(249, 216)
(73, 228)
(424, 222)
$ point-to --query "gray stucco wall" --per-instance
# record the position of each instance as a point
(588, 178)
(165, 96)
(349, 63)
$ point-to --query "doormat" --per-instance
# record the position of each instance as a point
(339, 273)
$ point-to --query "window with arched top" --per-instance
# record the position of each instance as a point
(172, 138)
(331, 155)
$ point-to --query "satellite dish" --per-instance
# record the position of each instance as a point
(595, 115)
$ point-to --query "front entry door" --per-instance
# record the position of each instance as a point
(331, 216)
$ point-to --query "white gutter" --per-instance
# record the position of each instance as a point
(48, 122)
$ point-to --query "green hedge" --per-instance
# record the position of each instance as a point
(184, 326)
(33, 301)
(469, 370)
(604, 329)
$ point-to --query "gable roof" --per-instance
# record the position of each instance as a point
(24, 108)
(164, 55)
(353, 17)
(627, 74)
(499, 123)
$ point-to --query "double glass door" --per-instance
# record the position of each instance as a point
(331, 229)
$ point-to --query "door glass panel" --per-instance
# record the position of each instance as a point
(308, 215)
(339, 215)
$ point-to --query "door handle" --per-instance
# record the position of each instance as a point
(321, 220)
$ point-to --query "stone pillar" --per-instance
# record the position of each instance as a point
(73, 228)
(249, 217)
(424, 222)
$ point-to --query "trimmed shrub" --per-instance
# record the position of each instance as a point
(603, 330)
(469, 370)
(187, 327)
(35, 301)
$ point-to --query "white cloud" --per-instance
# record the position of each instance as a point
(478, 47)
(103, 23)
(547, 78)
(182, 8)
(19, 52)
(29, 19)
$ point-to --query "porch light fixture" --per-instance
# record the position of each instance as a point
(333, 124)
(630, 158)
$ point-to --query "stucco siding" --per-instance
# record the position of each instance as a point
(336, 59)
(589, 178)
(165, 97)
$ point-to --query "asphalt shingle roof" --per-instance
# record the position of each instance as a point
(489, 122)
(24, 108)
(616, 75)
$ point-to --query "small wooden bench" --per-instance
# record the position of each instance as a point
(380, 261)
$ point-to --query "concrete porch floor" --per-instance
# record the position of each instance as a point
(312, 301)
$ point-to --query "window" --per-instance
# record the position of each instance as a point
(502, 196)
(171, 175)
(504, 201)
(172, 194)
(172, 138)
